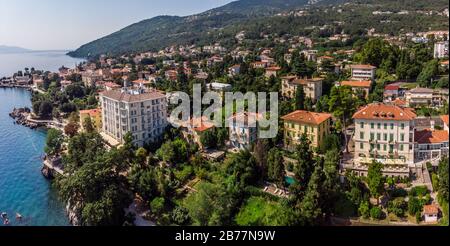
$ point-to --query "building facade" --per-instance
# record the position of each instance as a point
(315, 125)
(430, 144)
(419, 96)
(441, 49)
(357, 86)
(384, 133)
(363, 72)
(311, 87)
(243, 130)
(143, 113)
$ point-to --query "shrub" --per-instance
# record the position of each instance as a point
(180, 216)
(364, 209)
(414, 206)
(418, 217)
(184, 174)
(435, 181)
(157, 205)
(376, 213)
(397, 207)
(399, 193)
(419, 191)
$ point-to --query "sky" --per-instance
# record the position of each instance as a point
(68, 24)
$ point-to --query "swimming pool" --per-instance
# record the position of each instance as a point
(289, 180)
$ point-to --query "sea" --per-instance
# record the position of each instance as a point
(23, 189)
(51, 60)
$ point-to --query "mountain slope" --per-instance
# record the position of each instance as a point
(257, 16)
(161, 31)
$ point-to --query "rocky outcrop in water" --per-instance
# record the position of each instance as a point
(48, 174)
(20, 116)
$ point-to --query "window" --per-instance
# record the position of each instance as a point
(372, 136)
(384, 147)
(385, 137)
(402, 137)
(372, 125)
(385, 126)
(391, 148)
(362, 124)
(402, 126)
(361, 135)
(361, 145)
(391, 137)
(401, 147)
(378, 136)
(392, 126)
(378, 147)
(379, 125)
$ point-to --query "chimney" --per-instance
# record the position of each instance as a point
(432, 124)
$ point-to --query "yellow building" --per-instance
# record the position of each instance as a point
(95, 115)
(315, 125)
(311, 87)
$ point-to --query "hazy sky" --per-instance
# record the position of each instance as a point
(67, 24)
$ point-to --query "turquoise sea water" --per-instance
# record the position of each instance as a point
(23, 189)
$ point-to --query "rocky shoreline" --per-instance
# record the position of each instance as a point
(20, 115)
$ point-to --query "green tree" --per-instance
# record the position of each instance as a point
(304, 168)
(157, 205)
(414, 206)
(330, 185)
(260, 153)
(45, 109)
(88, 126)
(398, 206)
(299, 98)
(342, 104)
(443, 179)
(211, 205)
(310, 206)
(54, 142)
(276, 169)
(364, 209)
(180, 216)
(242, 166)
(375, 179)
(429, 72)
(376, 213)
(95, 187)
(208, 139)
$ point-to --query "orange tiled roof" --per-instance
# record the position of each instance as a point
(201, 124)
(445, 119)
(429, 136)
(364, 83)
(112, 85)
(302, 116)
(399, 102)
(141, 81)
(273, 68)
(430, 209)
(306, 81)
(91, 111)
(380, 111)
